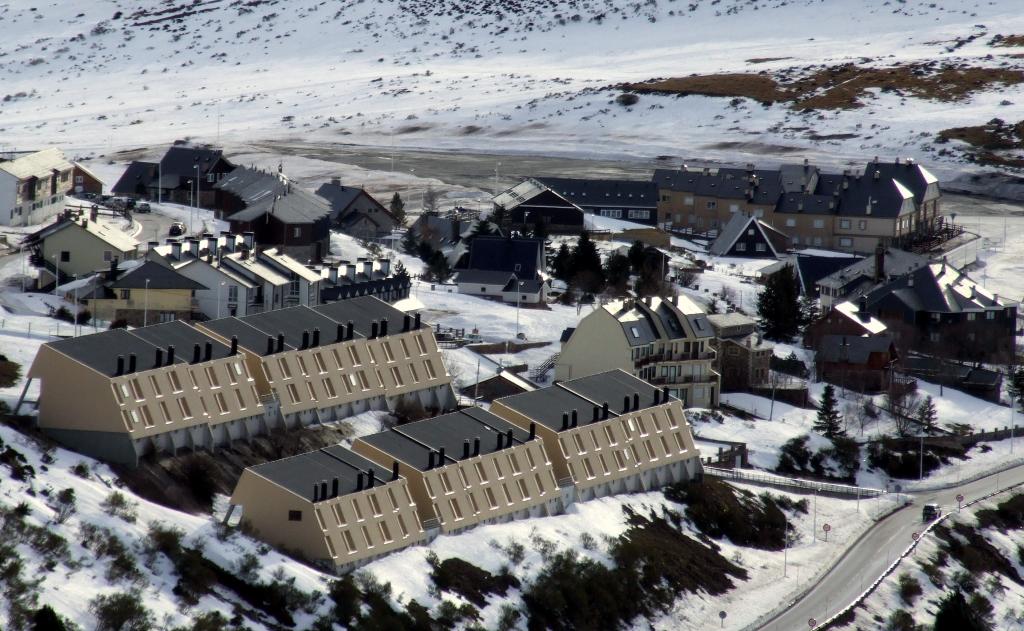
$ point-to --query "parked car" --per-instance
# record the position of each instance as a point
(143, 208)
(177, 229)
(930, 512)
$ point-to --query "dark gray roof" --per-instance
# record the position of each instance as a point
(451, 432)
(299, 473)
(248, 336)
(265, 193)
(566, 334)
(811, 269)
(910, 175)
(159, 277)
(526, 285)
(611, 387)
(483, 277)
(807, 203)
(136, 178)
(504, 254)
(895, 263)
(763, 185)
(882, 194)
(588, 193)
(292, 323)
(338, 196)
(855, 350)
(182, 337)
(181, 160)
(362, 311)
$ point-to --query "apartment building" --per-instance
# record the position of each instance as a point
(336, 360)
(33, 186)
(849, 211)
(667, 342)
(608, 433)
(469, 467)
(119, 395)
(71, 248)
(146, 293)
(331, 506)
(743, 357)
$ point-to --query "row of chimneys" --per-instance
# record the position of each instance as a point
(195, 246)
(198, 354)
(349, 270)
(571, 419)
(436, 457)
(363, 481)
(345, 332)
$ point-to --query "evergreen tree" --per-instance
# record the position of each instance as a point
(397, 208)
(438, 269)
(401, 272)
(410, 244)
(540, 229)
(561, 264)
(637, 256)
(499, 216)
(482, 228)
(617, 273)
(955, 614)
(429, 201)
(926, 414)
(588, 274)
(46, 619)
(779, 307)
(809, 311)
(425, 251)
(1015, 385)
(829, 422)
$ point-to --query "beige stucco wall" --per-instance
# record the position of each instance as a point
(597, 344)
(86, 251)
(153, 300)
(72, 395)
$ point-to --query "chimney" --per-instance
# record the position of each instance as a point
(323, 490)
(175, 249)
(394, 470)
(636, 400)
(316, 492)
(385, 267)
(533, 430)
(131, 363)
(508, 438)
(305, 339)
(208, 352)
(373, 330)
(605, 410)
(862, 304)
(383, 327)
(575, 418)
(196, 353)
(120, 366)
(349, 330)
(565, 421)
(340, 335)
(349, 271)
(332, 274)
(270, 345)
(170, 354)
(465, 449)
(416, 323)
(280, 342)
(368, 268)
(664, 394)
(249, 240)
(336, 181)
(430, 460)
(476, 445)
(159, 361)
(440, 457)
(334, 487)
(500, 441)
(234, 344)
(316, 337)
(597, 413)
(879, 262)
(359, 478)
(625, 403)
(371, 478)
(211, 243)
(405, 323)
(193, 247)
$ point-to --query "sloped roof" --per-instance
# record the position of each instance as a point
(869, 323)
(504, 253)
(300, 473)
(159, 277)
(811, 269)
(113, 237)
(268, 193)
(937, 288)
(39, 164)
(524, 192)
(739, 224)
(852, 349)
(600, 192)
(283, 260)
(137, 173)
(895, 263)
(181, 160)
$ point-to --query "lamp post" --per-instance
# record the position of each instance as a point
(77, 308)
(190, 210)
(496, 165)
(218, 298)
(145, 305)
(921, 452)
(56, 278)
(195, 206)
(519, 294)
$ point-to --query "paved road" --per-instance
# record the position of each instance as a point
(154, 226)
(869, 557)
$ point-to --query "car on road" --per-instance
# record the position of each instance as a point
(930, 512)
(143, 208)
(177, 229)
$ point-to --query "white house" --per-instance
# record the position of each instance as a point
(33, 186)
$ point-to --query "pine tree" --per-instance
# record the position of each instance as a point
(588, 274)
(438, 269)
(809, 311)
(401, 272)
(540, 229)
(779, 307)
(926, 414)
(617, 273)
(425, 251)
(561, 264)
(1015, 385)
(829, 422)
(397, 208)
(430, 202)
(410, 244)
(499, 216)
(955, 614)
(482, 228)
(637, 256)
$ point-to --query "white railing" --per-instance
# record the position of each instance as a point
(760, 477)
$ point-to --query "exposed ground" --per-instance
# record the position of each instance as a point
(996, 142)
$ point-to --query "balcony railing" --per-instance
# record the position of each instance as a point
(680, 379)
(673, 357)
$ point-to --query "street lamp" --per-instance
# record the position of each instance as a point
(519, 294)
(145, 305)
(77, 308)
(218, 297)
(190, 207)
(195, 206)
(56, 278)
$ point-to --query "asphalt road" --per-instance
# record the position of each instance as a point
(154, 226)
(876, 550)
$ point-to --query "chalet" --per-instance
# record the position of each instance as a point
(68, 248)
(743, 357)
(531, 202)
(186, 174)
(974, 380)
(504, 267)
(852, 319)
(748, 236)
(279, 214)
(85, 181)
(356, 212)
(33, 186)
(864, 275)
(630, 200)
(863, 364)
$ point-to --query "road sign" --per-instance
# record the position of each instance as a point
(826, 528)
(721, 614)
(916, 536)
(812, 623)
(959, 500)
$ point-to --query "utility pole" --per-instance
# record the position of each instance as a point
(145, 305)
(921, 450)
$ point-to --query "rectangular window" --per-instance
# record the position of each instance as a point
(222, 405)
(384, 532)
(862, 224)
(625, 428)
(463, 478)
(430, 489)
(165, 412)
(759, 247)
(741, 247)
(480, 473)
(540, 484)
(679, 442)
(294, 515)
(819, 223)
(430, 369)
(636, 454)
(373, 356)
(338, 515)
(664, 445)
(375, 506)
(329, 388)
(456, 509)
(397, 376)
(446, 483)
(211, 376)
(620, 460)
(366, 537)
(610, 435)
(350, 543)
(320, 365)
(120, 392)
(302, 365)
(312, 392)
(580, 447)
(641, 425)
(524, 491)
(649, 448)
(183, 407)
(146, 417)
(604, 464)
(472, 501)
(529, 458)
(357, 510)
(363, 381)
(588, 469)
(401, 524)
(671, 419)
(337, 359)
(405, 348)
(353, 355)
(491, 500)
(282, 365)
(156, 386)
(137, 390)
(514, 463)
(844, 224)
(508, 495)
(420, 345)
(388, 354)
(412, 371)
(845, 242)
(330, 547)
(293, 393)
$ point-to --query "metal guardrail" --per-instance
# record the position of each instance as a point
(758, 477)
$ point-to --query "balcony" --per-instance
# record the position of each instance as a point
(680, 380)
(673, 357)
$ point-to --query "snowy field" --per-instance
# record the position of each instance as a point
(494, 76)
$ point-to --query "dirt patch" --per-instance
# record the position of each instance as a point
(469, 130)
(411, 129)
(498, 348)
(838, 87)
(993, 143)
(764, 60)
(1007, 40)
(968, 546)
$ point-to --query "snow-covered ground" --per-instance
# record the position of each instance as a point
(492, 76)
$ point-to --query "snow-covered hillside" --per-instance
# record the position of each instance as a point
(508, 76)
